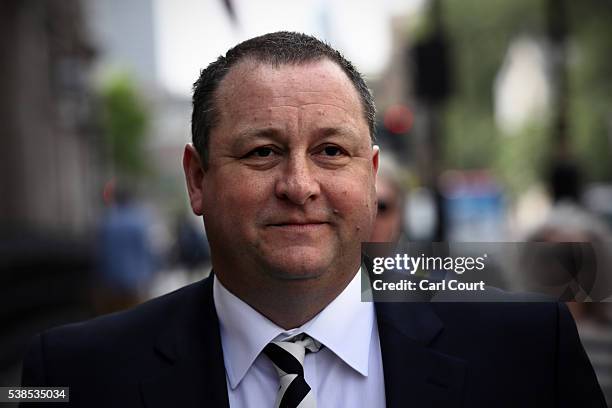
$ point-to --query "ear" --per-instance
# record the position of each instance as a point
(194, 176)
(375, 160)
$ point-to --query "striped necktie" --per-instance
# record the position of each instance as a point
(288, 360)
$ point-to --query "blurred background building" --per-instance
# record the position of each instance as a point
(50, 166)
(495, 112)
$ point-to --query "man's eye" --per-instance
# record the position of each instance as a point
(262, 152)
(332, 151)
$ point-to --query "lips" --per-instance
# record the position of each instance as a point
(297, 225)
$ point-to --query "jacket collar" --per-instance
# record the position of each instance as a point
(192, 372)
(415, 372)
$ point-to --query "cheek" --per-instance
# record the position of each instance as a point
(354, 199)
(232, 199)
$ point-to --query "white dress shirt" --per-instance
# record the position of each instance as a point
(347, 372)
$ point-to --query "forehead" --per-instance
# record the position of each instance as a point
(253, 85)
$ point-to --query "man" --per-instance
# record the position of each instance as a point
(125, 255)
(390, 198)
(282, 169)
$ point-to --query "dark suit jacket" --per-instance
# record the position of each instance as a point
(167, 353)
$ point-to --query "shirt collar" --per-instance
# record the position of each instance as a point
(344, 326)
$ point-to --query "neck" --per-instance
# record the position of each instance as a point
(289, 303)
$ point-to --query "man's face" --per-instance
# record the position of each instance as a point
(289, 190)
(388, 225)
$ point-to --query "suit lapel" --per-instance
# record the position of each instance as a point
(194, 372)
(415, 373)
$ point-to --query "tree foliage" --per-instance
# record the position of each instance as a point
(479, 34)
(125, 123)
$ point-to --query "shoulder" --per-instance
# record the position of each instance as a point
(534, 335)
(140, 321)
(514, 314)
(537, 340)
(123, 340)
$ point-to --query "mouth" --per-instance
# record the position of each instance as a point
(298, 225)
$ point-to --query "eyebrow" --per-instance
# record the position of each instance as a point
(247, 135)
(275, 133)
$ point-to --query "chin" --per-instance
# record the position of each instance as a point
(298, 265)
(297, 271)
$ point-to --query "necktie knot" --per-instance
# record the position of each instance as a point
(288, 359)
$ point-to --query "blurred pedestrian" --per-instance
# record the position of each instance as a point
(192, 251)
(569, 224)
(124, 254)
(390, 196)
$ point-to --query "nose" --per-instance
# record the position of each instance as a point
(297, 183)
